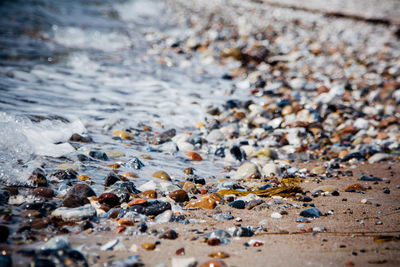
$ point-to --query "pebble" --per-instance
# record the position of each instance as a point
(311, 213)
(98, 155)
(214, 263)
(194, 156)
(71, 214)
(219, 255)
(354, 188)
(203, 203)
(215, 136)
(179, 195)
(365, 201)
(183, 262)
(162, 175)
(81, 190)
(325, 188)
(109, 245)
(57, 242)
(370, 178)
(4, 233)
(44, 192)
(246, 170)
(378, 157)
(271, 170)
(238, 204)
(148, 246)
(111, 179)
(169, 234)
(276, 215)
(123, 134)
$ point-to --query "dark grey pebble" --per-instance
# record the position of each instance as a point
(238, 204)
(311, 213)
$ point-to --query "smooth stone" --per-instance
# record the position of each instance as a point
(67, 174)
(223, 216)
(246, 170)
(134, 163)
(164, 217)
(361, 124)
(276, 215)
(109, 245)
(83, 177)
(215, 136)
(109, 199)
(115, 153)
(185, 146)
(71, 214)
(242, 231)
(81, 190)
(266, 152)
(297, 83)
(354, 188)
(365, 201)
(203, 203)
(150, 185)
(98, 155)
(183, 262)
(148, 246)
(271, 169)
(370, 178)
(275, 123)
(194, 156)
(57, 242)
(148, 194)
(162, 175)
(190, 187)
(154, 207)
(219, 255)
(43, 192)
(179, 195)
(238, 204)
(169, 234)
(123, 134)
(214, 263)
(311, 213)
(378, 157)
(73, 201)
(287, 110)
(38, 178)
(325, 188)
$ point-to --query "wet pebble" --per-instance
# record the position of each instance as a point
(214, 263)
(162, 175)
(169, 234)
(203, 203)
(238, 204)
(179, 195)
(246, 170)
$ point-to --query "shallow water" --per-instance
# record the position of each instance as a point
(92, 67)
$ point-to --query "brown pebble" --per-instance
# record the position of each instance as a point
(214, 263)
(203, 203)
(148, 246)
(354, 188)
(217, 197)
(349, 263)
(188, 171)
(194, 156)
(213, 242)
(130, 175)
(219, 255)
(180, 252)
(83, 177)
(162, 175)
(190, 188)
(123, 134)
(43, 192)
(169, 234)
(137, 201)
(149, 194)
(179, 195)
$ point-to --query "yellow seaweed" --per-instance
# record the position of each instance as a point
(281, 191)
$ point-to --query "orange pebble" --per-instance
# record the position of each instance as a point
(120, 229)
(194, 156)
(137, 201)
(125, 222)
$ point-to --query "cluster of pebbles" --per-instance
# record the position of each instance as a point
(314, 89)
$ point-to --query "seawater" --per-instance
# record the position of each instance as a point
(89, 67)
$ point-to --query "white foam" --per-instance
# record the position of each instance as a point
(78, 38)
